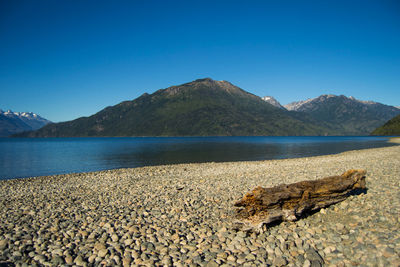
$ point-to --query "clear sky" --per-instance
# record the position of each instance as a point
(65, 59)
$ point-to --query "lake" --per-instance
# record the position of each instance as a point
(25, 157)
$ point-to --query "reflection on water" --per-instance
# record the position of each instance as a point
(35, 157)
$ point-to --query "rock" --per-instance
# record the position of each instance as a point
(3, 244)
(388, 252)
(339, 226)
(316, 264)
(92, 258)
(114, 238)
(279, 261)
(117, 259)
(40, 258)
(289, 202)
(126, 261)
(127, 242)
(313, 256)
(102, 253)
(68, 259)
(99, 246)
(306, 263)
(212, 263)
(231, 258)
(166, 261)
(57, 260)
(79, 261)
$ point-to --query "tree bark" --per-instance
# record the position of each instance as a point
(288, 202)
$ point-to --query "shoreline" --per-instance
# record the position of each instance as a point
(394, 140)
(181, 214)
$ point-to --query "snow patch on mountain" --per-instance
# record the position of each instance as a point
(14, 122)
(368, 102)
(272, 101)
(23, 116)
(297, 105)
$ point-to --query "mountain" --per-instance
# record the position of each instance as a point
(272, 101)
(345, 115)
(16, 122)
(295, 106)
(392, 127)
(203, 107)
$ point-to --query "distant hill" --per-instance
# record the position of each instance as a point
(16, 122)
(200, 108)
(345, 115)
(392, 127)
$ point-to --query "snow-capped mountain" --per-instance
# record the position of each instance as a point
(272, 101)
(368, 102)
(345, 115)
(16, 122)
(308, 104)
(297, 105)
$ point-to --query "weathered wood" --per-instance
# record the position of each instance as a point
(288, 202)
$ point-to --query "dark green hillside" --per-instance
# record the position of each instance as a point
(392, 127)
(200, 108)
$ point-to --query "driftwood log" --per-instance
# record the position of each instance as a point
(288, 202)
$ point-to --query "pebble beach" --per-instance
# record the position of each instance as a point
(181, 215)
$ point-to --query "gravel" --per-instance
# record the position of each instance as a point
(180, 215)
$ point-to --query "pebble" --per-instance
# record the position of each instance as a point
(3, 244)
(279, 261)
(102, 253)
(313, 255)
(79, 261)
(99, 246)
(68, 259)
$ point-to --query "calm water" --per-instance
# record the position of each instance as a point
(23, 157)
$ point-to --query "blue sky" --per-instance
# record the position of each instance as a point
(66, 59)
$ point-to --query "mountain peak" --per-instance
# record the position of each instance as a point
(304, 104)
(326, 96)
(29, 115)
(207, 85)
(204, 80)
(209, 80)
(346, 115)
(15, 122)
(298, 104)
(272, 101)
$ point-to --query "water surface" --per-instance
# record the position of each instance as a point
(28, 157)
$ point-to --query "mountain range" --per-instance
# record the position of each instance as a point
(17, 122)
(345, 115)
(206, 107)
(200, 108)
